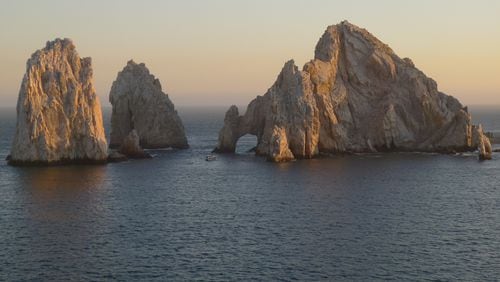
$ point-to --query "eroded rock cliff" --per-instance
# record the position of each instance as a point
(356, 95)
(139, 103)
(59, 117)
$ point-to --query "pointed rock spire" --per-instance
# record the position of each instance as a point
(59, 117)
(139, 103)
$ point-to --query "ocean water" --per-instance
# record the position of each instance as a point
(177, 217)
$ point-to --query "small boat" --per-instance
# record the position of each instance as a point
(210, 158)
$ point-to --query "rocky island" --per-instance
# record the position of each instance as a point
(356, 95)
(59, 117)
(139, 104)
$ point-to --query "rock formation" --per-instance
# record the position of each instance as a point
(356, 95)
(59, 117)
(140, 104)
(131, 148)
(483, 144)
(116, 157)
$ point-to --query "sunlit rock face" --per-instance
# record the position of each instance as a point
(59, 117)
(356, 95)
(483, 144)
(139, 103)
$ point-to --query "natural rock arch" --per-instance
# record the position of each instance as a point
(356, 95)
(246, 143)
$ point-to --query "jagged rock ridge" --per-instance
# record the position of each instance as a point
(139, 103)
(59, 117)
(356, 95)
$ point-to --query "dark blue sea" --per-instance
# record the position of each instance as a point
(177, 217)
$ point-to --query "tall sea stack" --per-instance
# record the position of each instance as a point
(59, 118)
(356, 95)
(139, 104)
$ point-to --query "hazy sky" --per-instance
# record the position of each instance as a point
(228, 51)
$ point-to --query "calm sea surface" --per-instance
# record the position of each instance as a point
(178, 217)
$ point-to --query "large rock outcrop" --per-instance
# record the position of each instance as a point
(357, 95)
(139, 103)
(59, 117)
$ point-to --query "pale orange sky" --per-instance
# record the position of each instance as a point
(227, 52)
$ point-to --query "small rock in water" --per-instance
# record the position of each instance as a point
(131, 147)
(116, 157)
(484, 145)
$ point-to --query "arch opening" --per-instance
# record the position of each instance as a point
(246, 144)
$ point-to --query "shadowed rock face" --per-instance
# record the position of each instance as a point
(59, 117)
(139, 103)
(130, 147)
(355, 96)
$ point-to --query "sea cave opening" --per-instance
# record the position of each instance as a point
(246, 144)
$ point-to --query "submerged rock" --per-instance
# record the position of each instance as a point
(116, 157)
(59, 117)
(139, 103)
(357, 95)
(131, 148)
